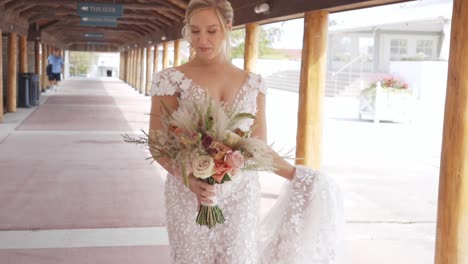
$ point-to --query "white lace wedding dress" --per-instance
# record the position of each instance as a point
(302, 227)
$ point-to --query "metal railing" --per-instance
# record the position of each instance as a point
(349, 70)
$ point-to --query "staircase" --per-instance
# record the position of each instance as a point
(342, 84)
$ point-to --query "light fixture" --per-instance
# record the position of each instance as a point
(262, 8)
(149, 41)
(163, 38)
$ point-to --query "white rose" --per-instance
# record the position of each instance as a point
(231, 138)
(202, 166)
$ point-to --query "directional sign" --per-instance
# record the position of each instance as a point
(93, 35)
(99, 10)
(95, 43)
(99, 21)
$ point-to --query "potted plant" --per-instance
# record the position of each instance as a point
(387, 98)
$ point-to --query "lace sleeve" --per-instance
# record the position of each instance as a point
(164, 83)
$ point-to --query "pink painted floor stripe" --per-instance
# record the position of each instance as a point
(50, 181)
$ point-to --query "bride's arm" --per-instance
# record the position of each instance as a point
(285, 169)
(155, 123)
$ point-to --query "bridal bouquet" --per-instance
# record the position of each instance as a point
(202, 138)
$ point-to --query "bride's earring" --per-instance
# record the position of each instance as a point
(192, 52)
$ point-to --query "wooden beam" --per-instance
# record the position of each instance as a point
(452, 215)
(23, 54)
(311, 91)
(10, 22)
(251, 47)
(12, 71)
(245, 13)
(165, 55)
(177, 59)
(1, 78)
(181, 4)
(156, 58)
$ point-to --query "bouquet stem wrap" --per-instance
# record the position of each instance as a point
(210, 214)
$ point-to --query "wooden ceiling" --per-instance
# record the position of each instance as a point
(57, 22)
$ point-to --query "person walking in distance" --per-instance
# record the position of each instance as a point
(57, 68)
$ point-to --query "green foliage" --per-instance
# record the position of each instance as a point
(267, 36)
(81, 62)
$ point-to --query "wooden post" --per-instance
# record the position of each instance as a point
(1, 77)
(177, 59)
(37, 56)
(135, 68)
(132, 68)
(138, 74)
(141, 89)
(155, 58)
(165, 55)
(311, 91)
(129, 72)
(148, 70)
(44, 66)
(121, 68)
(251, 46)
(12, 71)
(62, 54)
(23, 54)
(452, 214)
(127, 64)
(142, 71)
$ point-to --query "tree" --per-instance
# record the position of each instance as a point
(267, 36)
(81, 62)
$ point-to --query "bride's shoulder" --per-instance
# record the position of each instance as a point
(168, 73)
(256, 82)
(166, 82)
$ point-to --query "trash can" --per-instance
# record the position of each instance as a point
(34, 91)
(23, 90)
(28, 90)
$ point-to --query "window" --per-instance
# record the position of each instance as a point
(425, 47)
(398, 48)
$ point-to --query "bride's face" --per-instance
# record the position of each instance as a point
(206, 33)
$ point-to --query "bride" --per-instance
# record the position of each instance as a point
(302, 227)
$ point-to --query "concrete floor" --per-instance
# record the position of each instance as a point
(71, 192)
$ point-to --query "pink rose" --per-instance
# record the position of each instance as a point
(220, 169)
(235, 160)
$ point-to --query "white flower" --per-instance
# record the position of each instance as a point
(203, 166)
(231, 138)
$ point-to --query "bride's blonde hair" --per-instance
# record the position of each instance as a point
(225, 15)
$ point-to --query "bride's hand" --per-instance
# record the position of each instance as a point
(201, 189)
